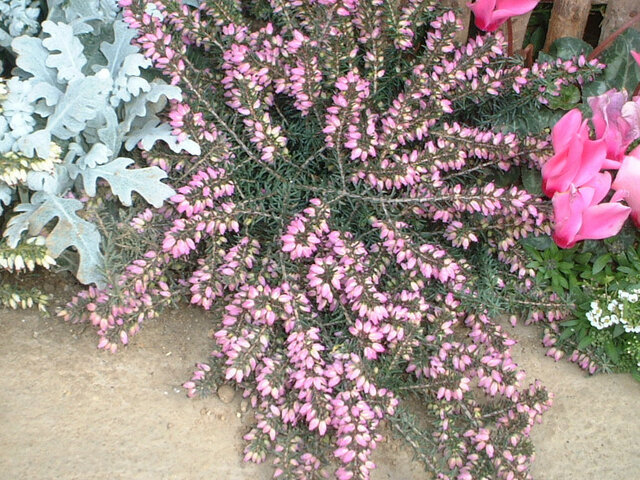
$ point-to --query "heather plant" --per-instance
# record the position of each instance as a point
(350, 225)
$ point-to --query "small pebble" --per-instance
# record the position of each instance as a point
(226, 393)
(244, 405)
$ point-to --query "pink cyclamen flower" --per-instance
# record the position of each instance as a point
(617, 122)
(579, 215)
(490, 14)
(627, 184)
(577, 159)
(636, 57)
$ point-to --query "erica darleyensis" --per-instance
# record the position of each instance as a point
(344, 225)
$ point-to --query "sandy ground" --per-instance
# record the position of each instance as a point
(68, 411)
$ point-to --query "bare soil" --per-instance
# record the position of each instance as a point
(68, 411)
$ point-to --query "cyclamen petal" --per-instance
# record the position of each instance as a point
(578, 216)
(491, 14)
(577, 159)
(627, 184)
(617, 122)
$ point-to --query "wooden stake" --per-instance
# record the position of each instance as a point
(618, 12)
(568, 19)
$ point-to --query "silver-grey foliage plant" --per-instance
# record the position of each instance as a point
(78, 84)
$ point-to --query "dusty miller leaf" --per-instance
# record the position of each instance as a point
(70, 61)
(56, 183)
(83, 100)
(149, 103)
(46, 91)
(123, 181)
(69, 231)
(32, 58)
(78, 13)
(128, 83)
(121, 48)
(5, 195)
(77, 160)
(97, 155)
(155, 130)
(108, 133)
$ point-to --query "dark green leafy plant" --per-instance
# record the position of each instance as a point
(593, 271)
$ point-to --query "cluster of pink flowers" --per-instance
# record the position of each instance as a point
(118, 313)
(576, 177)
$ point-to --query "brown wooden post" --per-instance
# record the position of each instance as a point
(568, 19)
(464, 16)
(618, 12)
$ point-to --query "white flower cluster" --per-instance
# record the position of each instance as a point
(13, 260)
(15, 168)
(615, 312)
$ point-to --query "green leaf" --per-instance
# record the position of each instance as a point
(618, 330)
(532, 180)
(595, 88)
(612, 352)
(574, 284)
(622, 71)
(541, 243)
(583, 258)
(585, 342)
(563, 282)
(567, 48)
(565, 267)
(570, 323)
(566, 334)
(586, 275)
(627, 270)
(568, 98)
(600, 263)
(621, 259)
